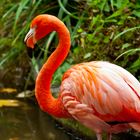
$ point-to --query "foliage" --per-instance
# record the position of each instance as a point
(111, 32)
(106, 30)
(16, 17)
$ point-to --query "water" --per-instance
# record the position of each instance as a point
(23, 120)
(27, 122)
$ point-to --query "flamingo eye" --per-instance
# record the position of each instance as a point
(34, 27)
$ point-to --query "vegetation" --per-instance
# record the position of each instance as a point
(106, 30)
(100, 30)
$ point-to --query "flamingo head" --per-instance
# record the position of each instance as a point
(39, 28)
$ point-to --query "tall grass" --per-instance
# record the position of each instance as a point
(111, 33)
(100, 30)
(16, 18)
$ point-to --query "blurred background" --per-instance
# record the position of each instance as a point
(100, 30)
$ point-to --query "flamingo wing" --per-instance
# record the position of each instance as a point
(84, 114)
(121, 87)
(104, 89)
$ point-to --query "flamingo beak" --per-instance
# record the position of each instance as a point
(30, 38)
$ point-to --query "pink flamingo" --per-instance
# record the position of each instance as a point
(94, 93)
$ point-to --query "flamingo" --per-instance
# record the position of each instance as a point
(96, 93)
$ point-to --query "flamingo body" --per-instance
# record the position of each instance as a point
(102, 89)
(95, 93)
(106, 88)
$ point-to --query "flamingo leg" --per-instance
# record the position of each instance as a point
(109, 136)
(99, 136)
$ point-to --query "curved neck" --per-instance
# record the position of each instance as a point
(43, 82)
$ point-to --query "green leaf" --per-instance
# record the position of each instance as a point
(136, 13)
(125, 31)
(115, 14)
(102, 4)
(131, 51)
(19, 11)
(121, 3)
(20, 8)
(65, 10)
(107, 7)
(126, 45)
(94, 21)
(136, 64)
(87, 55)
(9, 11)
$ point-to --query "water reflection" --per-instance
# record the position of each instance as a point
(28, 123)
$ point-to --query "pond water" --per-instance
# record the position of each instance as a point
(23, 120)
(28, 122)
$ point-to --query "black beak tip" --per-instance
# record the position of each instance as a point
(32, 52)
